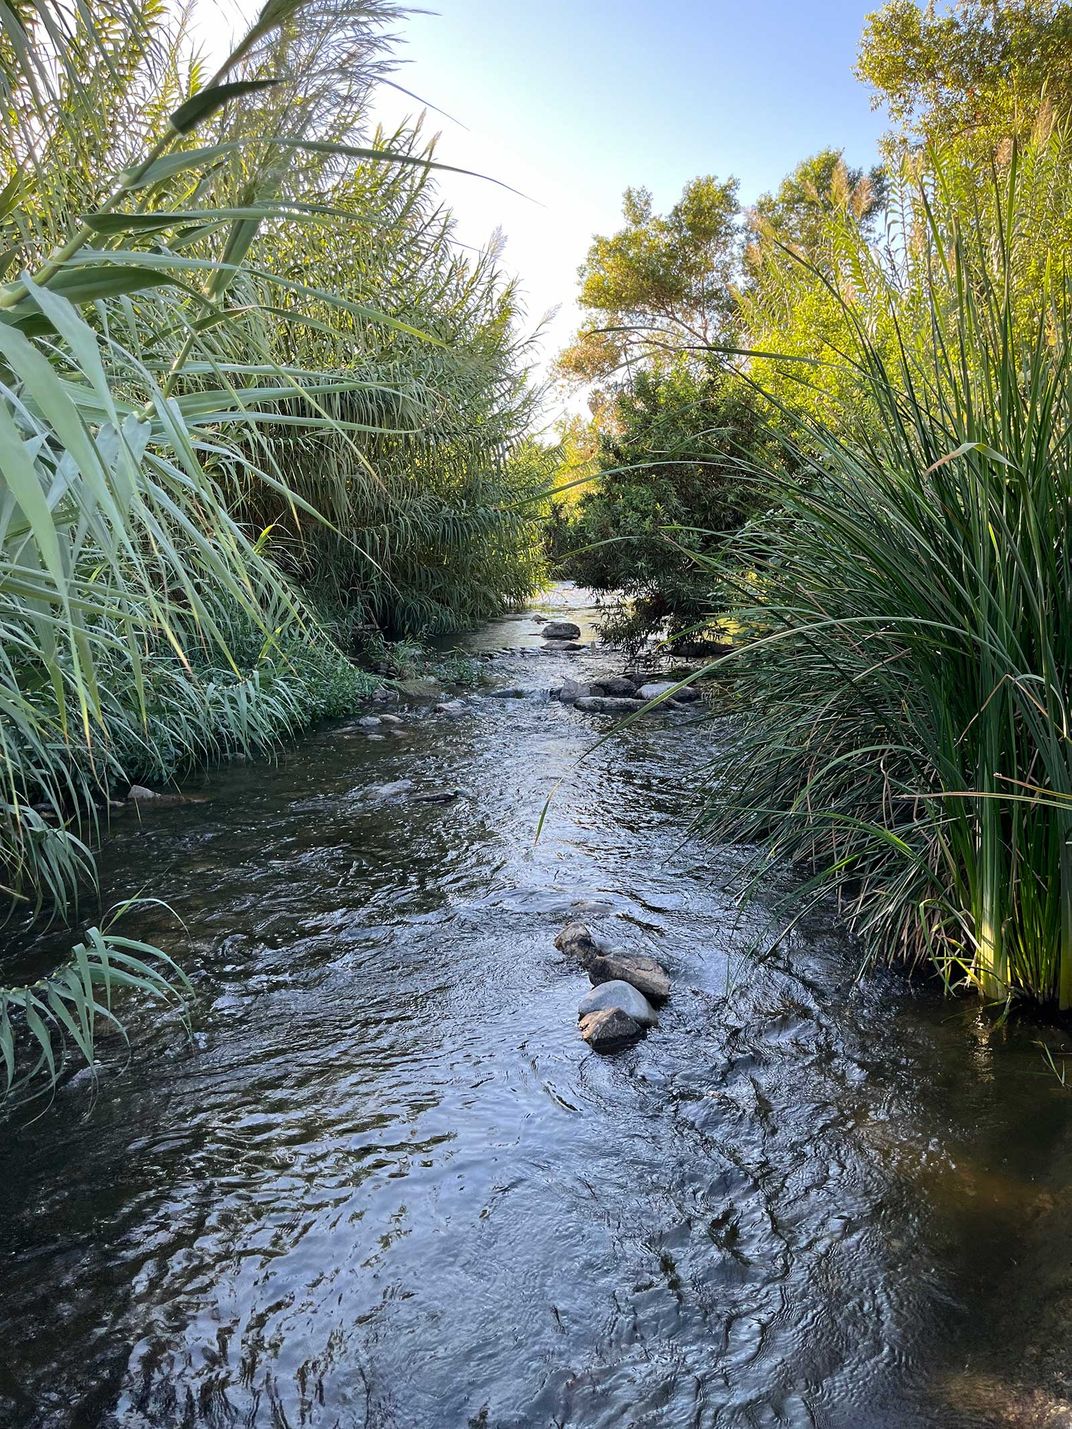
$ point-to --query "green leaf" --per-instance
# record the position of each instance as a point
(207, 101)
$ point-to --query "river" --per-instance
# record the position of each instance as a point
(386, 1184)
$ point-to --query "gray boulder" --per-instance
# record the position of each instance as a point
(656, 689)
(610, 1030)
(561, 630)
(368, 722)
(622, 995)
(572, 690)
(607, 704)
(139, 794)
(640, 971)
(686, 695)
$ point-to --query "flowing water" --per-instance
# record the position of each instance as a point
(386, 1184)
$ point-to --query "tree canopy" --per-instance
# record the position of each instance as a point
(980, 65)
(661, 279)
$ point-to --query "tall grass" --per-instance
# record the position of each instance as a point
(909, 605)
(184, 379)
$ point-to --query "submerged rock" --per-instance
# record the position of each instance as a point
(389, 791)
(437, 796)
(511, 694)
(424, 685)
(576, 941)
(561, 630)
(622, 995)
(637, 969)
(610, 1030)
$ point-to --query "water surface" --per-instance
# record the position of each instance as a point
(387, 1185)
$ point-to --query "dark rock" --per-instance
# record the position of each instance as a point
(437, 796)
(619, 685)
(607, 704)
(687, 695)
(554, 647)
(561, 630)
(694, 648)
(610, 1030)
(622, 995)
(507, 694)
(640, 971)
(576, 941)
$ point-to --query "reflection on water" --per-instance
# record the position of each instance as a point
(387, 1185)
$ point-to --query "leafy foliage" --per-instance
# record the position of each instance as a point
(661, 281)
(670, 488)
(975, 68)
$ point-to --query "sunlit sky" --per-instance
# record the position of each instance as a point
(570, 101)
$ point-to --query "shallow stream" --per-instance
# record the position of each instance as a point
(387, 1185)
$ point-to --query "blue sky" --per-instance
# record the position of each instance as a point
(572, 100)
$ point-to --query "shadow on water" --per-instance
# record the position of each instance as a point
(387, 1185)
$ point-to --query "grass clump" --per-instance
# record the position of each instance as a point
(908, 605)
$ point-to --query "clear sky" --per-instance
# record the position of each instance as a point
(572, 100)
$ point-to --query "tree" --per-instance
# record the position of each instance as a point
(669, 277)
(799, 213)
(984, 65)
(671, 485)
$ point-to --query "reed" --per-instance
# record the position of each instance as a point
(908, 666)
(238, 347)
